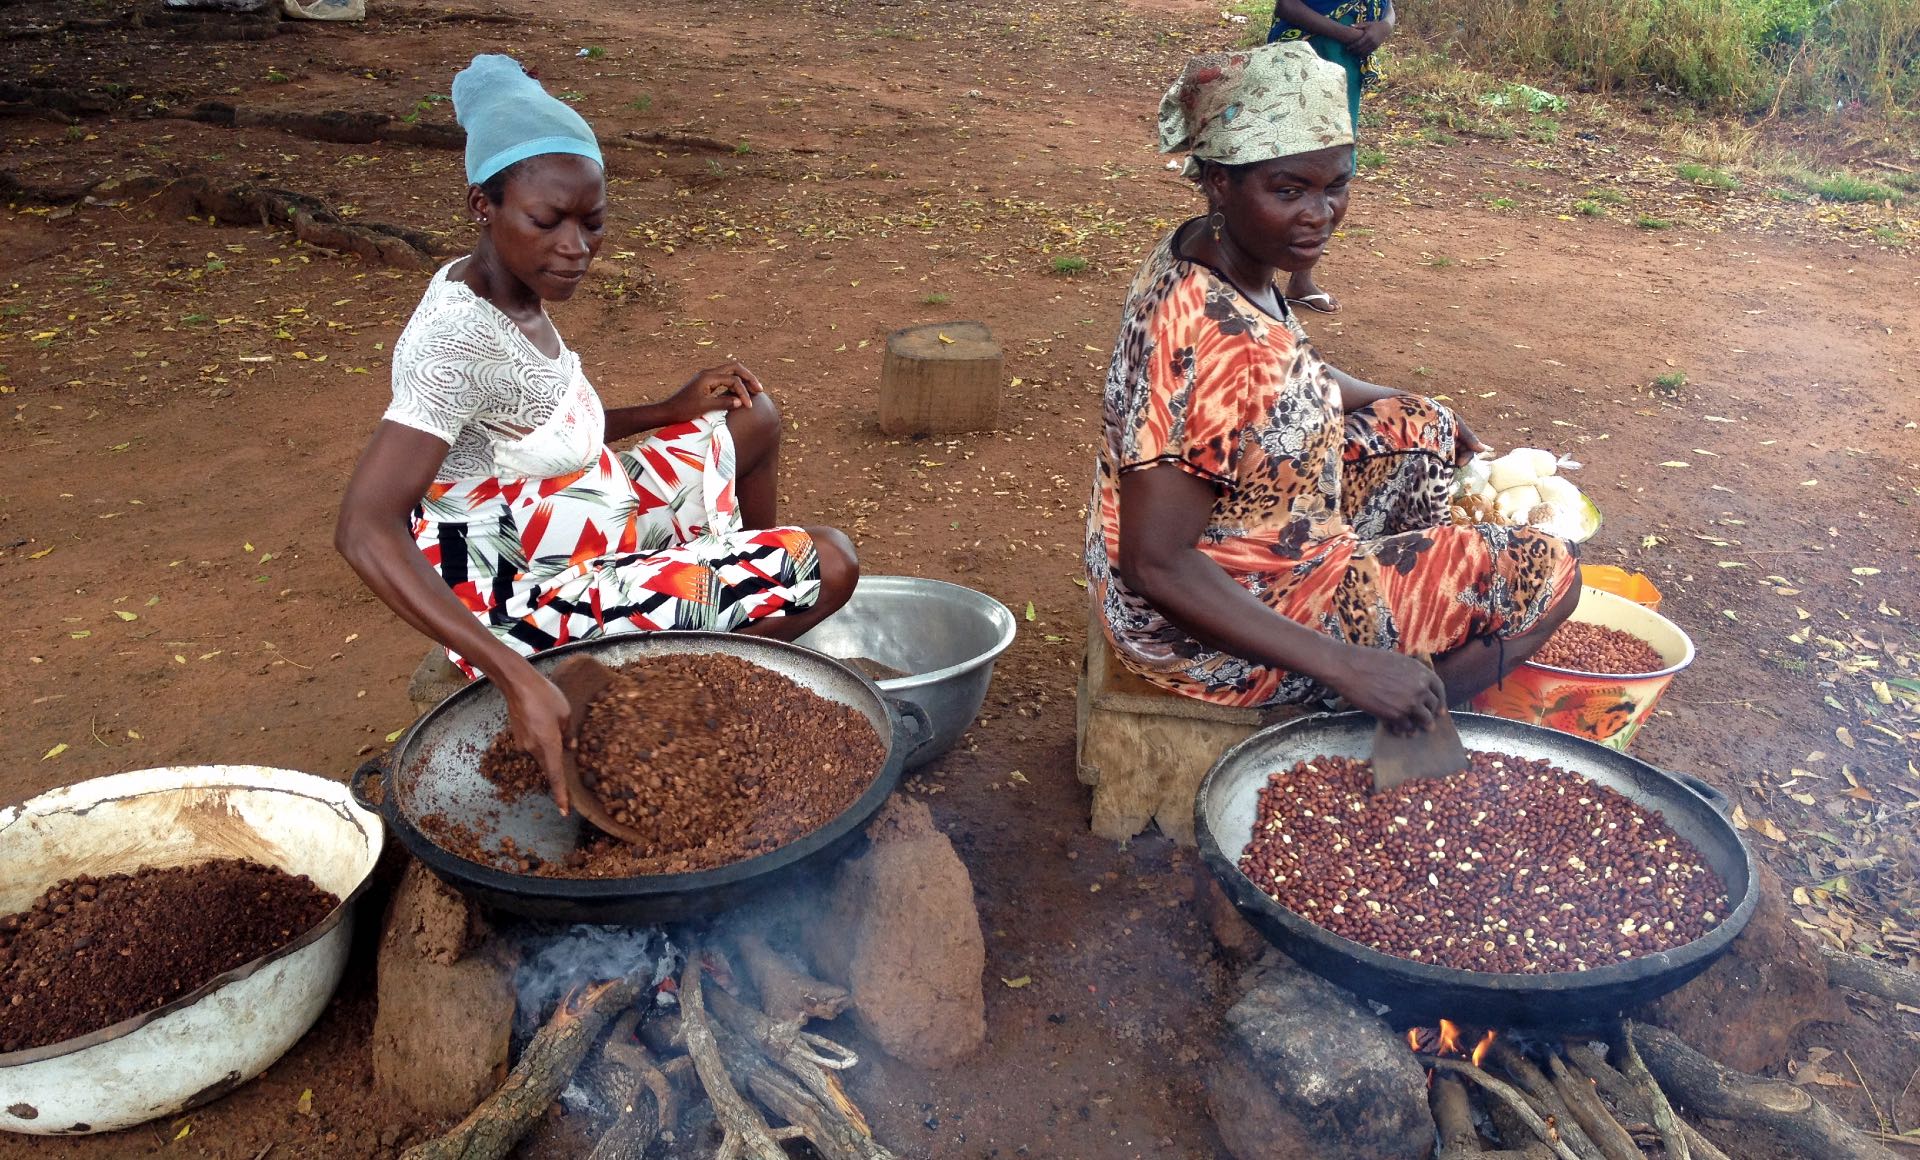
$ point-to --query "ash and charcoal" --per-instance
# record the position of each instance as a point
(1513, 866)
(556, 961)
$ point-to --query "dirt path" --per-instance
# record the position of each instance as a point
(187, 399)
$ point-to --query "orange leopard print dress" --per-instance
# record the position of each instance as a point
(1335, 521)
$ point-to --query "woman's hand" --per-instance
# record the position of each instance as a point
(1465, 443)
(1373, 34)
(725, 387)
(538, 714)
(1402, 691)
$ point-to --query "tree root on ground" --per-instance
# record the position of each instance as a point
(306, 218)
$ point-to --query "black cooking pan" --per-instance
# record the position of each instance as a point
(1224, 814)
(435, 769)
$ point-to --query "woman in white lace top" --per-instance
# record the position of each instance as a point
(488, 510)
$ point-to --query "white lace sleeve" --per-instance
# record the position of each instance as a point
(451, 367)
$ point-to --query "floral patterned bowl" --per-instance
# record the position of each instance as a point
(1607, 709)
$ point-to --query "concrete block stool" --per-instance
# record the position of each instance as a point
(434, 680)
(1144, 749)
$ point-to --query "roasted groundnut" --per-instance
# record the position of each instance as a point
(1594, 648)
(712, 759)
(1514, 866)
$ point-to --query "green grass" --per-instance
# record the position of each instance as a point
(1848, 188)
(1499, 203)
(1439, 261)
(742, 149)
(936, 299)
(1259, 20)
(1367, 157)
(1069, 264)
(641, 103)
(593, 52)
(76, 133)
(1587, 207)
(1670, 382)
(1543, 131)
(1781, 193)
(1647, 221)
(1607, 196)
(196, 318)
(1706, 175)
(276, 77)
(1889, 235)
(1437, 139)
(1798, 56)
(570, 95)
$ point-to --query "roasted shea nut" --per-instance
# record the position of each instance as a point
(1512, 866)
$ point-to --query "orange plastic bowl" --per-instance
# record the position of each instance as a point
(1599, 707)
(1632, 585)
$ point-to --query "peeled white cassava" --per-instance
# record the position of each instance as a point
(1521, 466)
(1515, 503)
(1558, 492)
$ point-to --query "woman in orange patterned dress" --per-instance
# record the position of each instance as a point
(1267, 529)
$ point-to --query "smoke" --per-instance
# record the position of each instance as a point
(556, 960)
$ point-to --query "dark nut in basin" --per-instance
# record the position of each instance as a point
(1513, 866)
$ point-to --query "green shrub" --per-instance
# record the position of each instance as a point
(1706, 175)
(1647, 221)
(1846, 187)
(1069, 264)
(1586, 207)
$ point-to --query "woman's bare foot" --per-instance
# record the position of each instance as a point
(1302, 291)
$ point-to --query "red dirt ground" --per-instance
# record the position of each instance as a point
(188, 398)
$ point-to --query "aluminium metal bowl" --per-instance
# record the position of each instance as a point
(226, 1031)
(1228, 802)
(945, 636)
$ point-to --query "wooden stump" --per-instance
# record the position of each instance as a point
(940, 378)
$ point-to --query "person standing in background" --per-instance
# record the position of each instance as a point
(1345, 32)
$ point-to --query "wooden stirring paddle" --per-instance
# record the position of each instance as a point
(1435, 751)
(581, 679)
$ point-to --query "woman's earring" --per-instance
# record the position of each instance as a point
(1216, 222)
(482, 221)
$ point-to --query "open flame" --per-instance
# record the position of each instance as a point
(1446, 1042)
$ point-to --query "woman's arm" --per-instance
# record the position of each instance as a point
(1358, 393)
(1163, 511)
(372, 533)
(724, 387)
(1298, 14)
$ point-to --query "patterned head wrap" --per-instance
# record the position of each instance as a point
(1241, 107)
(509, 117)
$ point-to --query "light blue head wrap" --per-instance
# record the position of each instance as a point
(509, 117)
